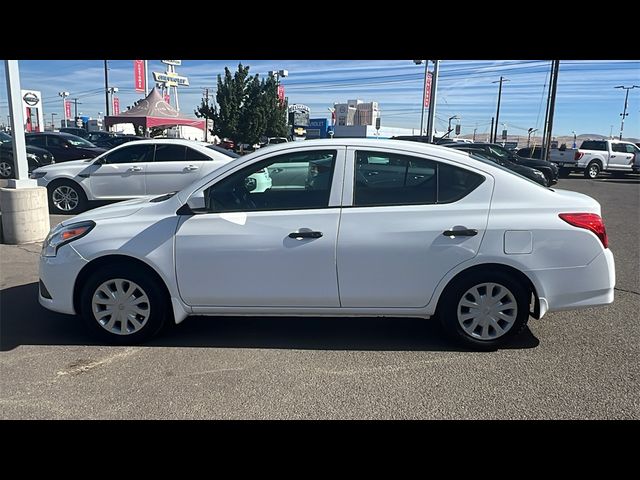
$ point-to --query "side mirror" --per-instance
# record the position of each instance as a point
(196, 201)
(250, 184)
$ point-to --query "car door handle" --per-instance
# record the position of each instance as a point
(612, 156)
(135, 169)
(465, 232)
(307, 234)
(191, 168)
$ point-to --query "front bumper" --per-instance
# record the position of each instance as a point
(58, 275)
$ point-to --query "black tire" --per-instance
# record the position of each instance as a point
(453, 295)
(159, 305)
(593, 170)
(6, 169)
(564, 172)
(80, 205)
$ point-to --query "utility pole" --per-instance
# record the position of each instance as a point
(106, 87)
(626, 98)
(546, 112)
(491, 131)
(206, 119)
(552, 106)
(75, 107)
(432, 101)
(502, 79)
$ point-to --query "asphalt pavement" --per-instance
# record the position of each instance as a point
(570, 365)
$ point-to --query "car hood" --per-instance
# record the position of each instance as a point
(534, 162)
(116, 210)
(73, 164)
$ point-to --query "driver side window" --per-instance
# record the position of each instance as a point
(293, 181)
(131, 154)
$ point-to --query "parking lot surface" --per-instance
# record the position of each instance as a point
(569, 365)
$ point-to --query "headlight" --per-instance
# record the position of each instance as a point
(35, 174)
(538, 173)
(62, 235)
(32, 156)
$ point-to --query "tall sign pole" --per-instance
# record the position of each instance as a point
(432, 101)
(106, 88)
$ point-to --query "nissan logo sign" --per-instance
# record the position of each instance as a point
(30, 99)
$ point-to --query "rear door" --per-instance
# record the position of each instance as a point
(173, 168)
(392, 251)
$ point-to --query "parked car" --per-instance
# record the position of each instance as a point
(36, 157)
(595, 156)
(443, 232)
(228, 144)
(556, 156)
(550, 170)
(129, 171)
(114, 141)
(77, 131)
(93, 137)
(64, 146)
(488, 155)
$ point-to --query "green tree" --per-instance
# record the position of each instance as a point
(246, 108)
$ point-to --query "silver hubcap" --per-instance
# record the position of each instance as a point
(5, 169)
(593, 171)
(487, 311)
(120, 306)
(65, 198)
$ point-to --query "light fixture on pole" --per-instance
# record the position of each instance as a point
(455, 117)
(64, 95)
(626, 98)
(424, 92)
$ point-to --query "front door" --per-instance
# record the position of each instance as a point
(392, 252)
(275, 247)
(122, 173)
(622, 156)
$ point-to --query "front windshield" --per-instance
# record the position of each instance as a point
(4, 138)
(499, 152)
(78, 142)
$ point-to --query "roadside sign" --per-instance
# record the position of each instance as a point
(171, 80)
(138, 75)
(172, 62)
(427, 90)
(116, 106)
(67, 110)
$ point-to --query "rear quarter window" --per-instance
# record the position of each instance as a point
(594, 145)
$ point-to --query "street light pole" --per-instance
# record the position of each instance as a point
(502, 79)
(626, 98)
(64, 95)
(53, 123)
(106, 87)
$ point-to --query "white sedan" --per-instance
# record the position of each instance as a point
(375, 228)
(131, 170)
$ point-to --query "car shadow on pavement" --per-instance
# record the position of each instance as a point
(24, 322)
(619, 180)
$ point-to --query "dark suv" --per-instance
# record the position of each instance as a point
(64, 146)
(36, 157)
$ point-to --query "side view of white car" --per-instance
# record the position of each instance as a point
(130, 170)
(356, 228)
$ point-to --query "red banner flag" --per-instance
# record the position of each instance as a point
(167, 98)
(139, 75)
(427, 90)
(281, 93)
(116, 106)
(67, 110)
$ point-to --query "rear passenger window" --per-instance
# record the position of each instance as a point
(390, 179)
(170, 153)
(619, 147)
(594, 145)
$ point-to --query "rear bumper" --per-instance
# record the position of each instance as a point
(579, 287)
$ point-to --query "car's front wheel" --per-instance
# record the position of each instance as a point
(66, 198)
(6, 169)
(123, 306)
(485, 310)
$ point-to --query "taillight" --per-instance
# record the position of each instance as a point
(578, 155)
(589, 221)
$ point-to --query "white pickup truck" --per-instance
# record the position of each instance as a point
(595, 156)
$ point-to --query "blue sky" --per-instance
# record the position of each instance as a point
(587, 101)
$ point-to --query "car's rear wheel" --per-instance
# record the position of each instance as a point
(6, 169)
(66, 198)
(592, 171)
(123, 306)
(485, 310)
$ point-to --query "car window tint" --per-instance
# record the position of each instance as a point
(55, 141)
(594, 145)
(37, 140)
(619, 147)
(196, 156)
(385, 179)
(169, 153)
(131, 154)
(293, 181)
